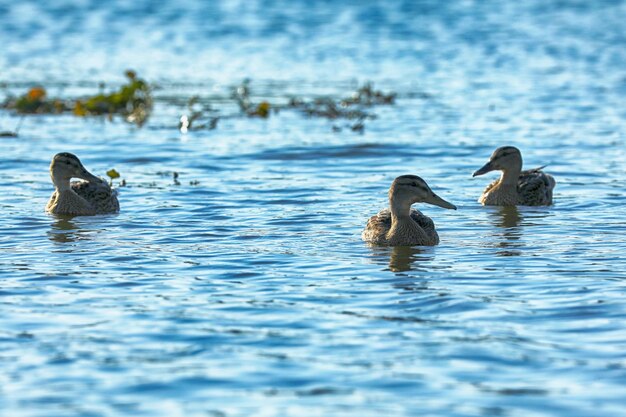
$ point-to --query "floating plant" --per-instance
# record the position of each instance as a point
(133, 101)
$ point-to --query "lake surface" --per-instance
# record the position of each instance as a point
(243, 287)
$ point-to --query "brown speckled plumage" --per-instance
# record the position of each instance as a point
(100, 195)
(515, 187)
(399, 225)
(78, 198)
(379, 225)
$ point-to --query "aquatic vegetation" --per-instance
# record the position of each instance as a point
(12, 133)
(112, 174)
(351, 108)
(132, 100)
(262, 110)
(347, 108)
(329, 109)
(241, 94)
(358, 126)
(367, 96)
(35, 101)
(201, 116)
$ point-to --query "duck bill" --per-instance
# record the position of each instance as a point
(434, 199)
(87, 176)
(488, 167)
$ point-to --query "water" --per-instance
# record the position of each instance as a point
(245, 289)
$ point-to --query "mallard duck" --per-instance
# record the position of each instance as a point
(78, 198)
(399, 225)
(515, 187)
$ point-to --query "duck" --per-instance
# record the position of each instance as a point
(515, 187)
(78, 198)
(400, 225)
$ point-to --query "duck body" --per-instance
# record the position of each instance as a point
(68, 202)
(400, 225)
(84, 199)
(515, 187)
(534, 188)
(78, 198)
(418, 228)
(100, 195)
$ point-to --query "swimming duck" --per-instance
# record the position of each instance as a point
(399, 225)
(78, 198)
(515, 187)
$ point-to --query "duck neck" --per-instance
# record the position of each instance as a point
(61, 183)
(400, 210)
(404, 230)
(510, 176)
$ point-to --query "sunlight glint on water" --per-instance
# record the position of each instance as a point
(246, 290)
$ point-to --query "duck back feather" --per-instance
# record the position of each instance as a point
(378, 227)
(99, 195)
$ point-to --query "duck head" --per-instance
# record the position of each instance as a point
(502, 159)
(409, 189)
(65, 166)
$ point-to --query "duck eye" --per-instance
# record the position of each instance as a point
(414, 184)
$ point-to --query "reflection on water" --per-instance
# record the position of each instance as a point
(506, 217)
(64, 230)
(508, 232)
(406, 258)
(165, 310)
(403, 258)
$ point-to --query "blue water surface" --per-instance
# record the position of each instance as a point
(242, 287)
